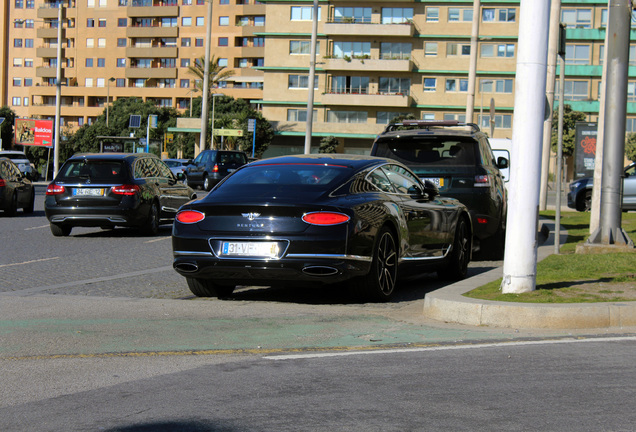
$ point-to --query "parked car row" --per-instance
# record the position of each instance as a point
(580, 195)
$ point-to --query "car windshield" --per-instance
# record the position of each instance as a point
(428, 150)
(282, 180)
(95, 171)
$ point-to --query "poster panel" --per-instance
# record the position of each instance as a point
(33, 132)
(584, 149)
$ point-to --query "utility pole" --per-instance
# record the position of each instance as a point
(610, 232)
(555, 18)
(520, 260)
(206, 79)
(312, 77)
(472, 71)
(58, 93)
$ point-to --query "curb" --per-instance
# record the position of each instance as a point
(449, 305)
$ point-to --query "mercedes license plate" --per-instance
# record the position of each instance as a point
(88, 191)
(250, 249)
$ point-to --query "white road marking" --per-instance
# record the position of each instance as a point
(449, 347)
(28, 262)
(38, 227)
(159, 239)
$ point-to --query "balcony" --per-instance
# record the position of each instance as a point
(146, 73)
(47, 72)
(50, 12)
(48, 32)
(152, 11)
(375, 65)
(152, 32)
(371, 100)
(48, 52)
(152, 52)
(368, 29)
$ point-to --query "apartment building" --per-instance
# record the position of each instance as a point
(123, 48)
(379, 59)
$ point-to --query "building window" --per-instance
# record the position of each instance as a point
(573, 91)
(90, 22)
(101, 82)
(303, 13)
(28, 43)
(186, 21)
(498, 15)
(352, 14)
(25, 101)
(260, 42)
(17, 62)
(396, 15)
(350, 84)
(430, 84)
(88, 82)
(457, 49)
(17, 43)
(259, 21)
(352, 49)
(301, 47)
(630, 124)
(186, 2)
(17, 82)
(185, 62)
(184, 83)
(90, 43)
(223, 41)
(29, 23)
(102, 22)
(496, 86)
(395, 51)
(19, 4)
(300, 115)
(502, 121)
(222, 62)
(101, 62)
(497, 50)
(28, 62)
(16, 101)
(121, 62)
(460, 14)
(301, 82)
(385, 117)
(456, 85)
(101, 43)
(347, 116)
(432, 14)
(122, 22)
(28, 82)
(89, 62)
(120, 82)
(430, 48)
(198, 42)
(392, 85)
(577, 54)
(224, 21)
(200, 21)
(30, 4)
(121, 42)
(577, 18)
(224, 2)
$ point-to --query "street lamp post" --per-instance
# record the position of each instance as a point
(191, 92)
(110, 80)
(481, 108)
(214, 96)
(58, 93)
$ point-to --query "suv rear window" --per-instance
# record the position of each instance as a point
(95, 171)
(428, 150)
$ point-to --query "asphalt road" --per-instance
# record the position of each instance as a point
(97, 332)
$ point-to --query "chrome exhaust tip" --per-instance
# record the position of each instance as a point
(186, 267)
(320, 271)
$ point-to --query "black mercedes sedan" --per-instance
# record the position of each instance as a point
(114, 189)
(320, 219)
(16, 190)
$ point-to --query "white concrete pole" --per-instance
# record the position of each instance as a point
(520, 260)
(472, 71)
(58, 93)
(206, 84)
(312, 75)
(553, 41)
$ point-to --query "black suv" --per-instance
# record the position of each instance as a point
(211, 166)
(114, 189)
(458, 159)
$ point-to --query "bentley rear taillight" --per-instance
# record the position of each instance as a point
(54, 189)
(325, 218)
(190, 216)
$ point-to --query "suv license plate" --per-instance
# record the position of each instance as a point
(436, 180)
(88, 192)
(250, 249)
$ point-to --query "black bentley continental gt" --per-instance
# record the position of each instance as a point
(320, 219)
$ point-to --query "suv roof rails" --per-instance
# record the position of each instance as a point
(429, 124)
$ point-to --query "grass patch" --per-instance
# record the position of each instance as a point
(572, 278)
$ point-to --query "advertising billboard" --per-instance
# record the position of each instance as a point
(32, 132)
(584, 149)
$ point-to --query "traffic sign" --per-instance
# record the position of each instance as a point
(228, 132)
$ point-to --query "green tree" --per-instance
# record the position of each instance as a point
(630, 146)
(570, 117)
(328, 144)
(217, 73)
(6, 129)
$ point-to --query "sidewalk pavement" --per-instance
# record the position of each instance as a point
(449, 305)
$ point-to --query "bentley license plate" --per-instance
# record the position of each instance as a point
(250, 249)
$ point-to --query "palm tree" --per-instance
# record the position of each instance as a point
(217, 73)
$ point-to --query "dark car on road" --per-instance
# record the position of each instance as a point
(458, 159)
(114, 189)
(16, 190)
(580, 195)
(312, 220)
(211, 166)
(22, 162)
(177, 166)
